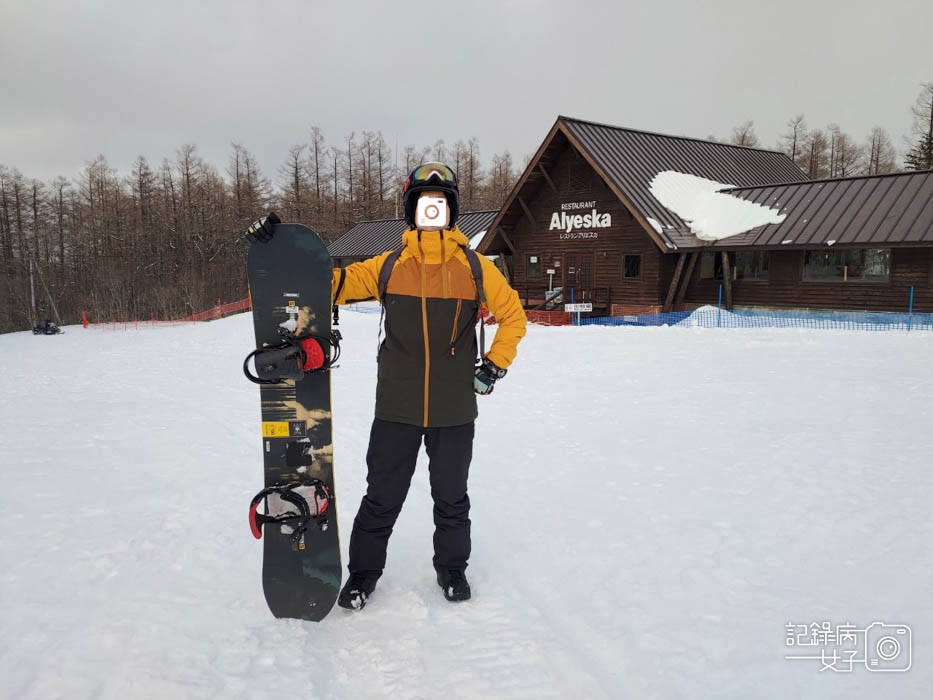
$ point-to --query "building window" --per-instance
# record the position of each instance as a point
(631, 266)
(857, 265)
(533, 265)
(751, 265)
(711, 266)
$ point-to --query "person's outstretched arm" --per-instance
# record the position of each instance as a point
(361, 282)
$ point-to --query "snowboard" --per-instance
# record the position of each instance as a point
(290, 292)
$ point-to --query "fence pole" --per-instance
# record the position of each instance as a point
(910, 308)
(719, 308)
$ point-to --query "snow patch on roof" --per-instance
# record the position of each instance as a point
(711, 214)
(477, 239)
(655, 224)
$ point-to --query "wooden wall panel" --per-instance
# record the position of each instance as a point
(786, 288)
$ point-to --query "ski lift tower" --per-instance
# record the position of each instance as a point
(34, 265)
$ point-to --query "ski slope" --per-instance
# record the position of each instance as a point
(651, 507)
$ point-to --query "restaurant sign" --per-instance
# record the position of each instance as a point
(569, 223)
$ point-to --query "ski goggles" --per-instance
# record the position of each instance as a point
(423, 174)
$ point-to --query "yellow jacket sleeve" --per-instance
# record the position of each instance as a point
(505, 305)
(362, 280)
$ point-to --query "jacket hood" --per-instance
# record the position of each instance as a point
(431, 244)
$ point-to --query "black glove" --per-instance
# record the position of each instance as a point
(263, 230)
(485, 377)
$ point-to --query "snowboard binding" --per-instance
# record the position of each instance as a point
(310, 507)
(294, 357)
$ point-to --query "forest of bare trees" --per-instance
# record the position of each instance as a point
(831, 152)
(166, 240)
(827, 152)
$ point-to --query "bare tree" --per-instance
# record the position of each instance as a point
(458, 156)
(414, 157)
(881, 158)
(6, 227)
(37, 207)
(348, 171)
(251, 189)
(384, 174)
(294, 183)
(474, 173)
(317, 150)
(744, 135)
(815, 158)
(791, 142)
(501, 179)
(59, 186)
(845, 154)
(439, 151)
(335, 152)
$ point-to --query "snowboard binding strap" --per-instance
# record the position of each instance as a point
(294, 357)
(301, 518)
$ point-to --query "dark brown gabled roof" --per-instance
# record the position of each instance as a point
(370, 238)
(629, 159)
(871, 210)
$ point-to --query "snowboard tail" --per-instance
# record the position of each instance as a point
(290, 291)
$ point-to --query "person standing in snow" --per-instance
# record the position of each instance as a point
(428, 378)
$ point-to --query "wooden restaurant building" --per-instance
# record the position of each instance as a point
(583, 219)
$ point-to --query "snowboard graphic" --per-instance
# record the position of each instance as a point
(290, 289)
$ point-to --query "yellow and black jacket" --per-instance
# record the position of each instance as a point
(427, 359)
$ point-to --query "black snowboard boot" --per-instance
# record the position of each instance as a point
(357, 591)
(454, 583)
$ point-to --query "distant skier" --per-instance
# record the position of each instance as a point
(427, 381)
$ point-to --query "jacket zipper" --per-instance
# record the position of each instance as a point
(424, 325)
(443, 267)
(453, 332)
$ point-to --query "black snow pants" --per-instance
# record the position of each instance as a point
(393, 450)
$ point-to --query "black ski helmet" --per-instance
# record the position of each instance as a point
(427, 177)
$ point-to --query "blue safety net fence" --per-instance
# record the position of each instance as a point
(720, 318)
(365, 307)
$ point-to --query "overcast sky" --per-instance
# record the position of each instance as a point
(83, 77)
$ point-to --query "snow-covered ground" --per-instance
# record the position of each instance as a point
(651, 507)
